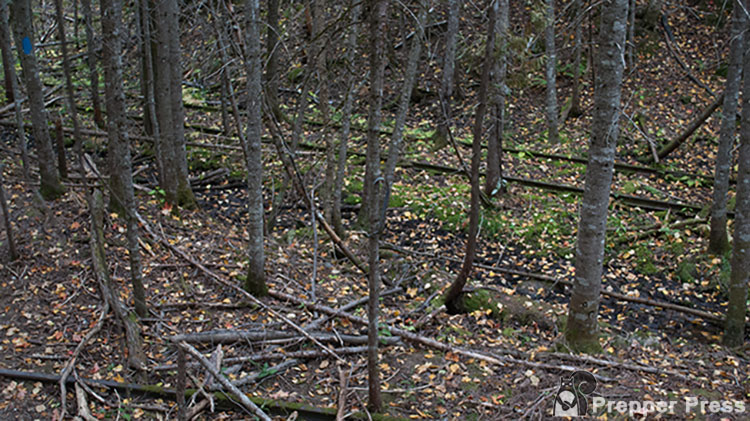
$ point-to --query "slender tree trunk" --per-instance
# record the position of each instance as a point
(351, 47)
(494, 178)
(582, 330)
(12, 253)
(8, 61)
(447, 79)
(70, 93)
(734, 331)
(120, 169)
(149, 78)
(144, 45)
(373, 184)
(51, 187)
(454, 296)
(11, 73)
(718, 242)
(575, 101)
(272, 66)
(225, 125)
(91, 62)
(256, 280)
(410, 77)
(631, 35)
(551, 73)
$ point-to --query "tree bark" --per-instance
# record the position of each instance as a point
(575, 101)
(272, 66)
(11, 73)
(494, 177)
(6, 52)
(120, 169)
(734, 331)
(446, 82)
(351, 48)
(373, 184)
(718, 241)
(551, 73)
(582, 330)
(20, 17)
(256, 279)
(169, 113)
(91, 59)
(455, 296)
(12, 253)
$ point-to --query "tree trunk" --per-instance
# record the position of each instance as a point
(11, 72)
(7, 55)
(551, 72)
(169, 113)
(256, 280)
(12, 253)
(70, 94)
(120, 170)
(454, 298)
(718, 242)
(631, 48)
(272, 66)
(373, 183)
(582, 331)
(148, 68)
(734, 331)
(91, 62)
(351, 48)
(575, 101)
(20, 16)
(494, 177)
(410, 76)
(444, 116)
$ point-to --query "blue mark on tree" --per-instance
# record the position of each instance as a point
(27, 47)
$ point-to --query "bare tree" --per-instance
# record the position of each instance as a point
(20, 17)
(454, 297)
(272, 51)
(373, 185)
(256, 279)
(551, 72)
(12, 253)
(582, 331)
(718, 241)
(734, 330)
(169, 108)
(7, 55)
(120, 169)
(494, 178)
(575, 101)
(448, 72)
(91, 59)
(15, 91)
(351, 48)
(70, 93)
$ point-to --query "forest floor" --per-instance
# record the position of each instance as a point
(52, 299)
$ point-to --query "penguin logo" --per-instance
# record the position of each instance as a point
(570, 399)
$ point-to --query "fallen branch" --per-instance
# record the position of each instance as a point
(432, 343)
(247, 403)
(230, 336)
(691, 128)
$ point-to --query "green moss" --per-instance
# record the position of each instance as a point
(686, 271)
(51, 191)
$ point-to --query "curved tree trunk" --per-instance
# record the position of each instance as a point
(734, 331)
(718, 242)
(582, 331)
(454, 297)
(20, 17)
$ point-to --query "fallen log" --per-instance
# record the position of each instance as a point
(691, 128)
